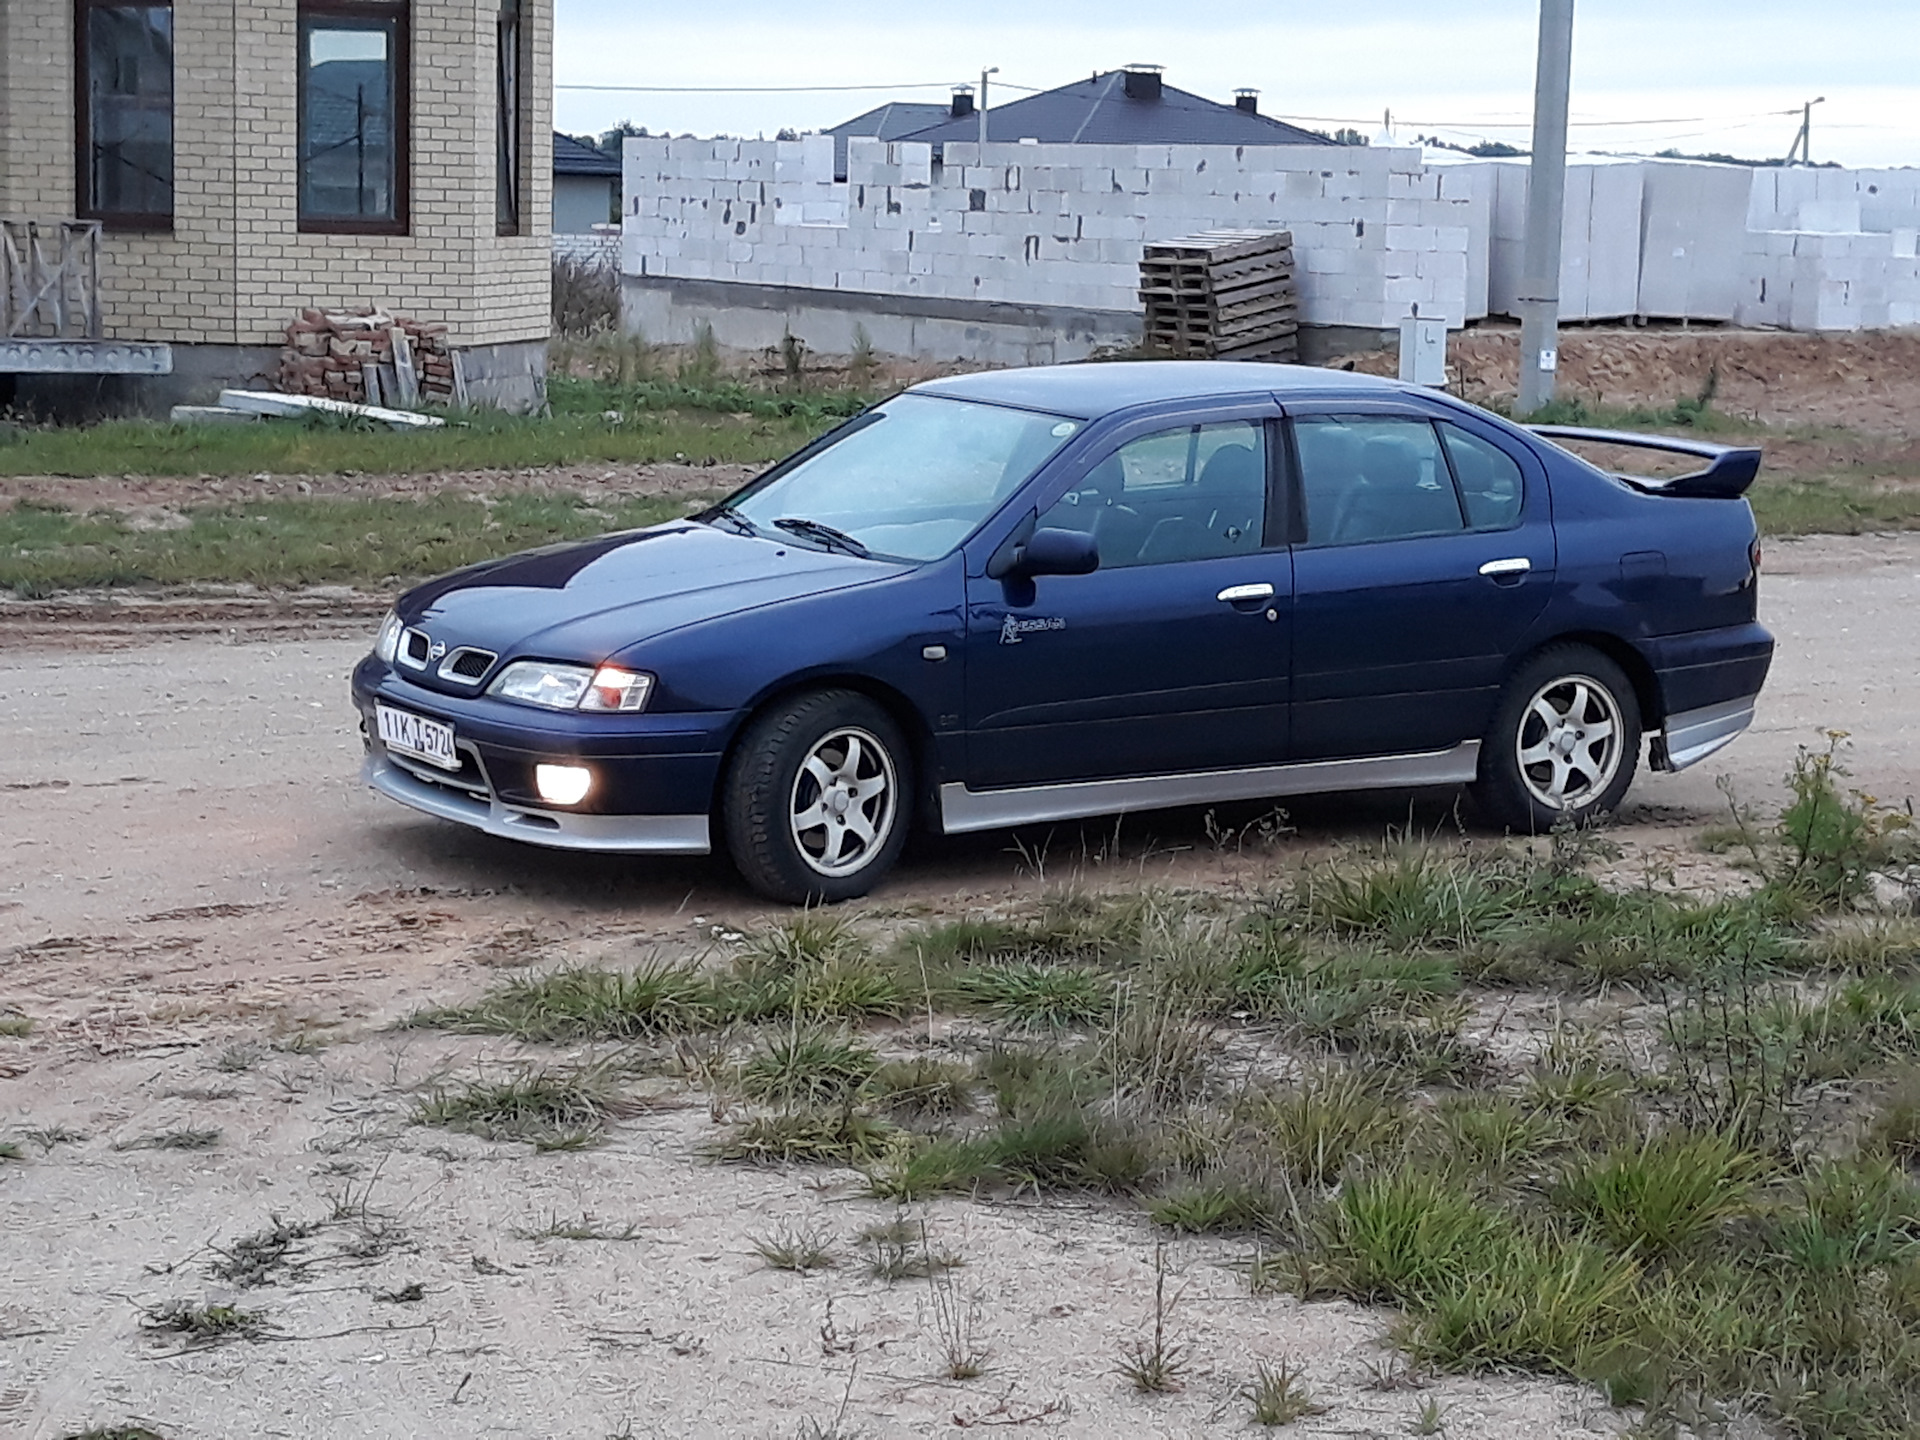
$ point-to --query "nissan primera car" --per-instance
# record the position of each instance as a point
(1044, 594)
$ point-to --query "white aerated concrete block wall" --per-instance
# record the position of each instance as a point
(1599, 244)
(1693, 239)
(1376, 233)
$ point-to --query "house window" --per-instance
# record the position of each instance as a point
(507, 120)
(353, 116)
(124, 119)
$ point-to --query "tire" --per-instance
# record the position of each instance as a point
(1551, 710)
(818, 799)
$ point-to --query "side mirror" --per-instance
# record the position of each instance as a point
(1057, 552)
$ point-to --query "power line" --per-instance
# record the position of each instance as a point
(760, 89)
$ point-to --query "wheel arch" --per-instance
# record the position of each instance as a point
(901, 710)
(1646, 684)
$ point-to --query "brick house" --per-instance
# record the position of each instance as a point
(243, 161)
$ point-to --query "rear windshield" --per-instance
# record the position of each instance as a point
(911, 479)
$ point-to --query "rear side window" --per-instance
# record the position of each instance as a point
(1367, 478)
(1490, 484)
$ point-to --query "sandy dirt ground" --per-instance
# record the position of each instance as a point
(213, 925)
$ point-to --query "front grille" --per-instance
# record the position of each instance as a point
(467, 663)
(416, 647)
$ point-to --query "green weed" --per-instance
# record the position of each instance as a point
(552, 1109)
(1278, 1395)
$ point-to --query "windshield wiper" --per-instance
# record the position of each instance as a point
(731, 518)
(823, 534)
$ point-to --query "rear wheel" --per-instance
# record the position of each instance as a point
(817, 800)
(1564, 742)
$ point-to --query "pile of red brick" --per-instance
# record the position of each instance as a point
(351, 355)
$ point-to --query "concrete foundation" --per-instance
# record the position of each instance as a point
(510, 377)
(831, 322)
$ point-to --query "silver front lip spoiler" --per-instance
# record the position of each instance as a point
(611, 834)
(1693, 735)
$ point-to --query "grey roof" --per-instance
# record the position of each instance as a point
(885, 122)
(570, 157)
(1098, 112)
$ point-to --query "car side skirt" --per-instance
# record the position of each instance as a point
(1693, 735)
(963, 810)
(609, 834)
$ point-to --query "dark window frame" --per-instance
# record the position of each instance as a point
(84, 207)
(399, 12)
(510, 116)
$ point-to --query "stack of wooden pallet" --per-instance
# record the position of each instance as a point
(1223, 294)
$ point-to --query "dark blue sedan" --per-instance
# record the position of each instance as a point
(1043, 594)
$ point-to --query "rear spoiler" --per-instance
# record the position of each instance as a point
(1730, 468)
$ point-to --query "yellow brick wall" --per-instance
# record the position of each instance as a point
(235, 267)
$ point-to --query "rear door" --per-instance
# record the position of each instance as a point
(1424, 552)
(1173, 655)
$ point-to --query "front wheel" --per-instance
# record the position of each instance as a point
(817, 800)
(1564, 742)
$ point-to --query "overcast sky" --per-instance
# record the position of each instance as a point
(1692, 74)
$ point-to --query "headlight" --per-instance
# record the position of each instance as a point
(573, 687)
(615, 689)
(535, 682)
(386, 641)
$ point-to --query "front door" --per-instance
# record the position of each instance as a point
(1428, 553)
(1173, 654)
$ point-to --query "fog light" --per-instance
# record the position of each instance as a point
(562, 784)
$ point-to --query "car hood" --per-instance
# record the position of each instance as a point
(588, 600)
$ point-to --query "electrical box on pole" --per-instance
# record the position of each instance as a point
(1539, 297)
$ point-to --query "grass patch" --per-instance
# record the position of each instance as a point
(809, 1070)
(1665, 1194)
(280, 542)
(1035, 996)
(15, 1027)
(199, 1327)
(1279, 1396)
(186, 1137)
(114, 1432)
(582, 1003)
(585, 1228)
(806, 1137)
(687, 424)
(549, 1109)
(901, 1249)
(800, 1248)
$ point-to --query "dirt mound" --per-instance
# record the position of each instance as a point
(1867, 381)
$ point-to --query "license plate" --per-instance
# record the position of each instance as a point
(415, 735)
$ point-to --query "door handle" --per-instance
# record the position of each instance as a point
(1240, 594)
(1494, 569)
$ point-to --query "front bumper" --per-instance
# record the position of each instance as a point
(654, 774)
(619, 834)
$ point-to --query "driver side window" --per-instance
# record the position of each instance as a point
(1193, 493)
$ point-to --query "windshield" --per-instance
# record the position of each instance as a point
(909, 480)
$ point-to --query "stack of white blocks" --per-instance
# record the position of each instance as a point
(1599, 244)
(1376, 233)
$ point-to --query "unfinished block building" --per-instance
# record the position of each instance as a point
(180, 179)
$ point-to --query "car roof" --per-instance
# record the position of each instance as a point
(1089, 391)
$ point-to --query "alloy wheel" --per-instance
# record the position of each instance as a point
(843, 804)
(1569, 742)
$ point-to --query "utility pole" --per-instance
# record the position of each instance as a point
(1539, 297)
(983, 104)
(1803, 142)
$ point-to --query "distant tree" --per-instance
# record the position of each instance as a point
(786, 132)
(1348, 136)
(1495, 150)
(609, 142)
